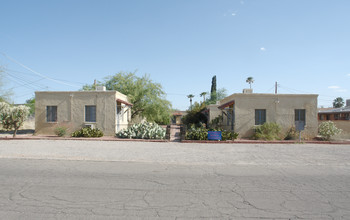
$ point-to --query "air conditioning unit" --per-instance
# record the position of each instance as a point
(92, 126)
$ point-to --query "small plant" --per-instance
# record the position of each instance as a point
(88, 132)
(292, 134)
(229, 135)
(267, 131)
(328, 129)
(143, 131)
(60, 131)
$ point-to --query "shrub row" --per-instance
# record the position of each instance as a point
(201, 133)
(143, 131)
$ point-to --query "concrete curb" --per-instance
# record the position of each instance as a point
(112, 138)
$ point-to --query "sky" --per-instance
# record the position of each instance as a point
(60, 45)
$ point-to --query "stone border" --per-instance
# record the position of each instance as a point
(113, 138)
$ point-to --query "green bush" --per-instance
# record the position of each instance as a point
(267, 131)
(196, 133)
(229, 135)
(143, 131)
(60, 131)
(88, 132)
(200, 133)
(328, 129)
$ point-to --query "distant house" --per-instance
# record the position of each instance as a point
(340, 116)
(109, 111)
(177, 116)
(333, 114)
(241, 112)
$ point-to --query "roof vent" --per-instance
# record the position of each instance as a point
(100, 88)
(247, 91)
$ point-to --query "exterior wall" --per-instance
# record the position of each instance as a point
(123, 117)
(213, 112)
(71, 110)
(279, 108)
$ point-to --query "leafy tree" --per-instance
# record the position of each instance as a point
(31, 104)
(147, 97)
(220, 94)
(250, 80)
(190, 96)
(203, 94)
(195, 115)
(338, 102)
(12, 117)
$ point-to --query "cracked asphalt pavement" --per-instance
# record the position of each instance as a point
(140, 180)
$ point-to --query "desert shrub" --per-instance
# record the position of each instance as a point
(267, 131)
(229, 135)
(328, 129)
(197, 133)
(13, 117)
(60, 131)
(201, 133)
(143, 130)
(88, 132)
(292, 134)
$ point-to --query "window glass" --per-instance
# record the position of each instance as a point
(51, 113)
(90, 113)
(260, 116)
(300, 115)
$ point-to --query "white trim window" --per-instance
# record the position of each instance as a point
(90, 113)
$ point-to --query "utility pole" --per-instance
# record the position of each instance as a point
(276, 87)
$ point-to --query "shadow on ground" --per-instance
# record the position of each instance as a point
(24, 131)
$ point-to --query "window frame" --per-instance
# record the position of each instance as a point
(260, 116)
(86, 114)
(298, 116)
(50, 115)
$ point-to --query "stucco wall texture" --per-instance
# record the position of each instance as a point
(280, 108)
(71, 110)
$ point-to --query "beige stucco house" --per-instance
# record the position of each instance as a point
(109, 111)
(241, 112)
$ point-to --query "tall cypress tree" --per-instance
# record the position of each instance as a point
(213, 89)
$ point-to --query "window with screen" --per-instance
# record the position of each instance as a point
(51, 113)
(260, 116)
(90, 113)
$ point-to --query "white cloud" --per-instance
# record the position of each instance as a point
(342, 90)
(349, 74)
(233, 14)
(262, 48)
(333, 87)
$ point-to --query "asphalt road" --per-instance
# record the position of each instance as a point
(273, 186)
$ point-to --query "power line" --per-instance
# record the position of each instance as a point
(39, 74)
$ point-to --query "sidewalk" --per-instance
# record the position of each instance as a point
(175, 152)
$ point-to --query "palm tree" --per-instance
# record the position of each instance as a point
(338, 102)
(250, 80)
(190, 96)
(203, 94)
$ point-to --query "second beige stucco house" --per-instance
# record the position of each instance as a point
(241, 112)
(109, 111)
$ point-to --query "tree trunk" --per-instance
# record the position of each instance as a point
(14, 133)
